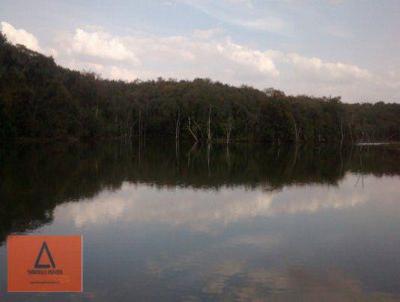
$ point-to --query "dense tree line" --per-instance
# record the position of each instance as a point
(40, 100)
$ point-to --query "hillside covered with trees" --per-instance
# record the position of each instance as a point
(40, 100)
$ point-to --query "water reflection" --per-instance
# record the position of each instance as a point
(248, 223)
(207, 210)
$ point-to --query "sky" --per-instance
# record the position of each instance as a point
(347, 48)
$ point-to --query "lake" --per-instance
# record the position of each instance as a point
(192, 223)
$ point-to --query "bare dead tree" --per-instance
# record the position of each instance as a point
(191, 131)
(198, 128)
(228, 130)
(177, 134)
(350, 133)
(140, 124)
(209, 124)
(228, 156)
(296, 131)
(341, 132)
(177, 126)
(208, 158)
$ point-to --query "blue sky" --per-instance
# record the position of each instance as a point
(327, 47)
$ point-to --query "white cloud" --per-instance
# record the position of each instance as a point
(266, 24)
(258, 60)
(20, 36)
(124, 74)
(207, 53)
(334, 70)
(102, 45)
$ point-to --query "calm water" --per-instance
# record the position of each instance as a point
(210, 224)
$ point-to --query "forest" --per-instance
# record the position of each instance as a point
(40, 100)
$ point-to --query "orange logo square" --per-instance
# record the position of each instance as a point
(44, 263)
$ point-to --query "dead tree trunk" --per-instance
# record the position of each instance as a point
(341, 132)
(228, 156)
(177, 133)
(198, 128)
(350, 133)
(296, 131)
(140, 125)
(177, 127)
(208, 158)
(228, 131)
(191, 131)
(209, 124)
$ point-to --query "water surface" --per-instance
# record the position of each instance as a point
(244, 223)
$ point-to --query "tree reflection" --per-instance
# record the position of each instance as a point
(36, 178)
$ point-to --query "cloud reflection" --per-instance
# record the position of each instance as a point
(208, 210)
(292, 284)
